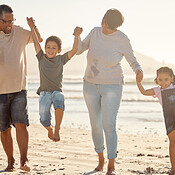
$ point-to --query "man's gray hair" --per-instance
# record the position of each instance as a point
(5, 9)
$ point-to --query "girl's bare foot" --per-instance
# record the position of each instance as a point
(56, 136)
(100, 165)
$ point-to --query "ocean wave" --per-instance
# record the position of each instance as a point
(123, 100)
(79, 80)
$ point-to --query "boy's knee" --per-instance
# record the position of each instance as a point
(45, 121)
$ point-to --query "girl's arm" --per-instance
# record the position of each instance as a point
(74, 50)
(148, 92)
(34, 35)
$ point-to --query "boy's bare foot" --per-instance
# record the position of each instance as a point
(10, 167)
(24, 166)
(56, 136)
(50, 132)
(100, 165)
(111, 172)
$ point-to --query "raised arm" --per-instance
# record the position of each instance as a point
(77, 32)
(148, 92)
(34, 31)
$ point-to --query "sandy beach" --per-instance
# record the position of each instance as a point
(74, 154)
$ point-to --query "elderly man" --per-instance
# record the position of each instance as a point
(13, 95)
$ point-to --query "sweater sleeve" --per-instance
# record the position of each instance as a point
(84, 45)
(129, 55)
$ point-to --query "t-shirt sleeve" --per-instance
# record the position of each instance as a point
(157, 91)
(40, 55)
(129, 55)
(64, 58)
(28, 36)
(84, 45)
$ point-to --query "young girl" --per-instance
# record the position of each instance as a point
(165, 92)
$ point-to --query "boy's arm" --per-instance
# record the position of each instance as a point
(76, 33)
(34, 34)
(38, 34)
(148, 92)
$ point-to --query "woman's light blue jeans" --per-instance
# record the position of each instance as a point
(103, 102)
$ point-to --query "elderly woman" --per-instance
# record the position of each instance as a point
(103, 82)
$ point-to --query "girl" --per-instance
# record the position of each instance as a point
(165, 92)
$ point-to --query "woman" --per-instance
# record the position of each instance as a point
(103, 82)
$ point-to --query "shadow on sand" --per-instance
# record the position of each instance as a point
(91, 172)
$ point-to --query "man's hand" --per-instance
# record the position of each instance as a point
(139, 76)
(77, 31)
(31, 22)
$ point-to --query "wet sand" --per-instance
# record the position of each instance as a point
(75, 155)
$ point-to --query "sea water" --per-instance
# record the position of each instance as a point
(137, 113)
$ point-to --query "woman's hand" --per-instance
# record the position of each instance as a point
(139, 76)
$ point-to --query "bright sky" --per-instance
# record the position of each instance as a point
(149, 24)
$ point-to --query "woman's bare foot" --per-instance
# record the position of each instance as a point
(56, 136)
(100, 165)
(10, 167)
(111, 172)
(111, 167)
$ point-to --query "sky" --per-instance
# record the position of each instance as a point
(149, 24)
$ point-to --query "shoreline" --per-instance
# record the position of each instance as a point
(75, 155)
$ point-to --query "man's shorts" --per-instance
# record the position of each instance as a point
(13, 109)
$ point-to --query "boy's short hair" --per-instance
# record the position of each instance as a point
(113, 18)
(56, 39)
(5, 9)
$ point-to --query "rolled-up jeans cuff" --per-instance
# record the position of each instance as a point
(100, 150)
(112, 156)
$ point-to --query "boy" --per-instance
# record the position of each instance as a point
(51, 74)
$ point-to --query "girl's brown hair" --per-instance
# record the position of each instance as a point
(165, 70)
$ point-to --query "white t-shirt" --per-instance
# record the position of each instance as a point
(13, 60)
(157, 91)
(105, 53)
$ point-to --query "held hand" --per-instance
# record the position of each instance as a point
(139, 76)
(31, 22)
(77, 31)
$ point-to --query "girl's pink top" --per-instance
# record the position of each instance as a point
(158, 90)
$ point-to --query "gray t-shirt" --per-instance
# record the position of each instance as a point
(51, 71)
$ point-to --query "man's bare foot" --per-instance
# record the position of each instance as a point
(25, 167)
(10, 167)
(172, 172)
(56, 136)
(100, 165)
(111, 172)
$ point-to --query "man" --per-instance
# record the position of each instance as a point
(13, 96)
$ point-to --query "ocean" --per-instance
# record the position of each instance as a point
(137, 114)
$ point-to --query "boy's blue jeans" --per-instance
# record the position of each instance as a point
(103, 102)
(46, 100)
